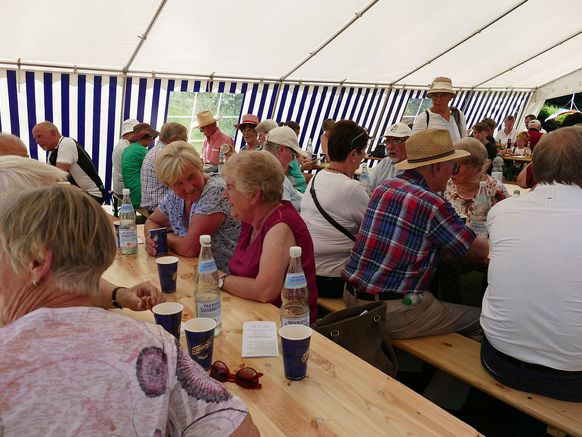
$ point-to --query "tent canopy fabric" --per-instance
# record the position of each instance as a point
(518, 44)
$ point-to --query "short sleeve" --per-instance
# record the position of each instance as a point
(420, 123)
(67, 153)
(211, 200)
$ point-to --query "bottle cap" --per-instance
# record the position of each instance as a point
(295, 251)
(205, 239)
(125, 191)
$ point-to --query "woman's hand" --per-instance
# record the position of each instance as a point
(132, 297)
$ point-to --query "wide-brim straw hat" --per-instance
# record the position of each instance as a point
(142, 129)
(441, 85)
(429, 147)
(205, 118)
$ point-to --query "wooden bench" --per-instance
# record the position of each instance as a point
(331, 304)
(460, 356)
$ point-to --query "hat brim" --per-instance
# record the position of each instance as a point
(405, 165)
(153, 134)
(298, 150)
(441, 90)
(206, 123)
(252, 123)
(397, 135)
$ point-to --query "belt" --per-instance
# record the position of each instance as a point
(381, 295)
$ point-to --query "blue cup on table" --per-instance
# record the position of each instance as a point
(169, 316)
(168, 273)
(295, 341)
(200, 340)
(160, 237)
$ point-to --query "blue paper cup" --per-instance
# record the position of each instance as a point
(169, 316)
(295, 347)
(116, 226)
(168, 273)
(200, 339)
(160, 237)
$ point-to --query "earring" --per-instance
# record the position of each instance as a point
(35, 282)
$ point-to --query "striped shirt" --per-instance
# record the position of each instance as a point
(404, 230)
(153, 190)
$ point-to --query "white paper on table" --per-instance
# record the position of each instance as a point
(260, 339)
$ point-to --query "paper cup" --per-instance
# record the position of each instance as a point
(160, 237)
(169, 316)
(168, 273)
(295, 347)
(200, 339)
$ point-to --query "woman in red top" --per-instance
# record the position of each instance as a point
(270, 226)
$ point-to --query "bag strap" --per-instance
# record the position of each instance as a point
(427, 117)
(457, 117)
(326, 215)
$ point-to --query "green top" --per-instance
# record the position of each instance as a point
(296, 176)
(131, 161)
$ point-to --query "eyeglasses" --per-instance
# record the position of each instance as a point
(456, 168)
(400, 141)
(292, 151)
(246, 377)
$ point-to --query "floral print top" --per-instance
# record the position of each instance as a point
(496, 192)
(88, 371)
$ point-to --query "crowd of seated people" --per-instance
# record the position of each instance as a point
(356, 246)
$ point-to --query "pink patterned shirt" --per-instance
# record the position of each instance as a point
(88, 371)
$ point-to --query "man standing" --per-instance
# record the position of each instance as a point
(405, 228)
(126, 133)
(533, 304)
(395, 152)
(534, 133)
(132, 159)
(152, 189)
(282, 142)
(214, 137)
(247, 129)
(441, 115)
(507, 133)
(68, 155)
(12, 145)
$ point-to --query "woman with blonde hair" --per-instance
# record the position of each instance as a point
(55, 244)
(194, 207)
(270, 227)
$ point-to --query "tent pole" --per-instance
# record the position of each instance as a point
(274, 109)
(123, 91)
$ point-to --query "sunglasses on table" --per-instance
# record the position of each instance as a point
(246, 377)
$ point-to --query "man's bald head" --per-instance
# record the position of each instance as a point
(12, 145)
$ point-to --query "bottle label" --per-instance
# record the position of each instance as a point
(295, 280)
(295, 320)
(480, 228)
(127, 237)
(209, 309)
(206, 266)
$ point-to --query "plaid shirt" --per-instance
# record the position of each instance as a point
(152, 189)
(404, 229)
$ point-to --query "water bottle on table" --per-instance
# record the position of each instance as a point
(295, 294)
(127, 226)
(480, 210)
(207, 293)
(309, 149)
(365, 178)
(497, 171)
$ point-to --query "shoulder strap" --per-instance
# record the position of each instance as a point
(427, 117)
(84, 161)
(457, 117)
(326, 215)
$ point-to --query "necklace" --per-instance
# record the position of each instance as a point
(337, 170)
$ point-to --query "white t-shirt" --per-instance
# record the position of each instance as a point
(345, 200)
(67, 154)
(117, 179)
(532, 309)
(501, 135)
(382, 171)
(437, 121)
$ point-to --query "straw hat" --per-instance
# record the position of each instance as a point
(441, 85)
(248, 119)
(205, 118)
(286, 136)
(142, 129)
(429, 147)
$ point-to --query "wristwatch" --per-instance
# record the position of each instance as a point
(221, 281)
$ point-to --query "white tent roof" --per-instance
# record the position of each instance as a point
(521, 44)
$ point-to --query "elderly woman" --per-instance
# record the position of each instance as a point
(342, 199)
(462, 188)
(461, 191)
(55, 243)
(262, 129)
(270, 226)
(17, 173)
(194, 207)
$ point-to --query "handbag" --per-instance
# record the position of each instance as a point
(360, 330)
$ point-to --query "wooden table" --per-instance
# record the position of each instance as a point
(513, 159)
(341, 395)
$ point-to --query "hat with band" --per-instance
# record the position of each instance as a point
(441, 85)
(429, 147)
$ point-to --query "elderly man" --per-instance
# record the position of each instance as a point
(533, 305)
(282, 142)
(441, 115)
(534, 133)
(247, 128)
(126, 133)
(405, 228)
(152, 189)
(68, 155)
(12, 145)
(507, 133)
(396, 151)
(215, 138)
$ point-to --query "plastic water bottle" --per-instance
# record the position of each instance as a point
(221, 161)
(207, 293)
(413, 299)
(295, 294)
(365, 177)
(127, 227)
(309, 149)
(497, 171)
(480, 209)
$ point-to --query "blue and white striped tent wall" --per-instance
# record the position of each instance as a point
(89, 107)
